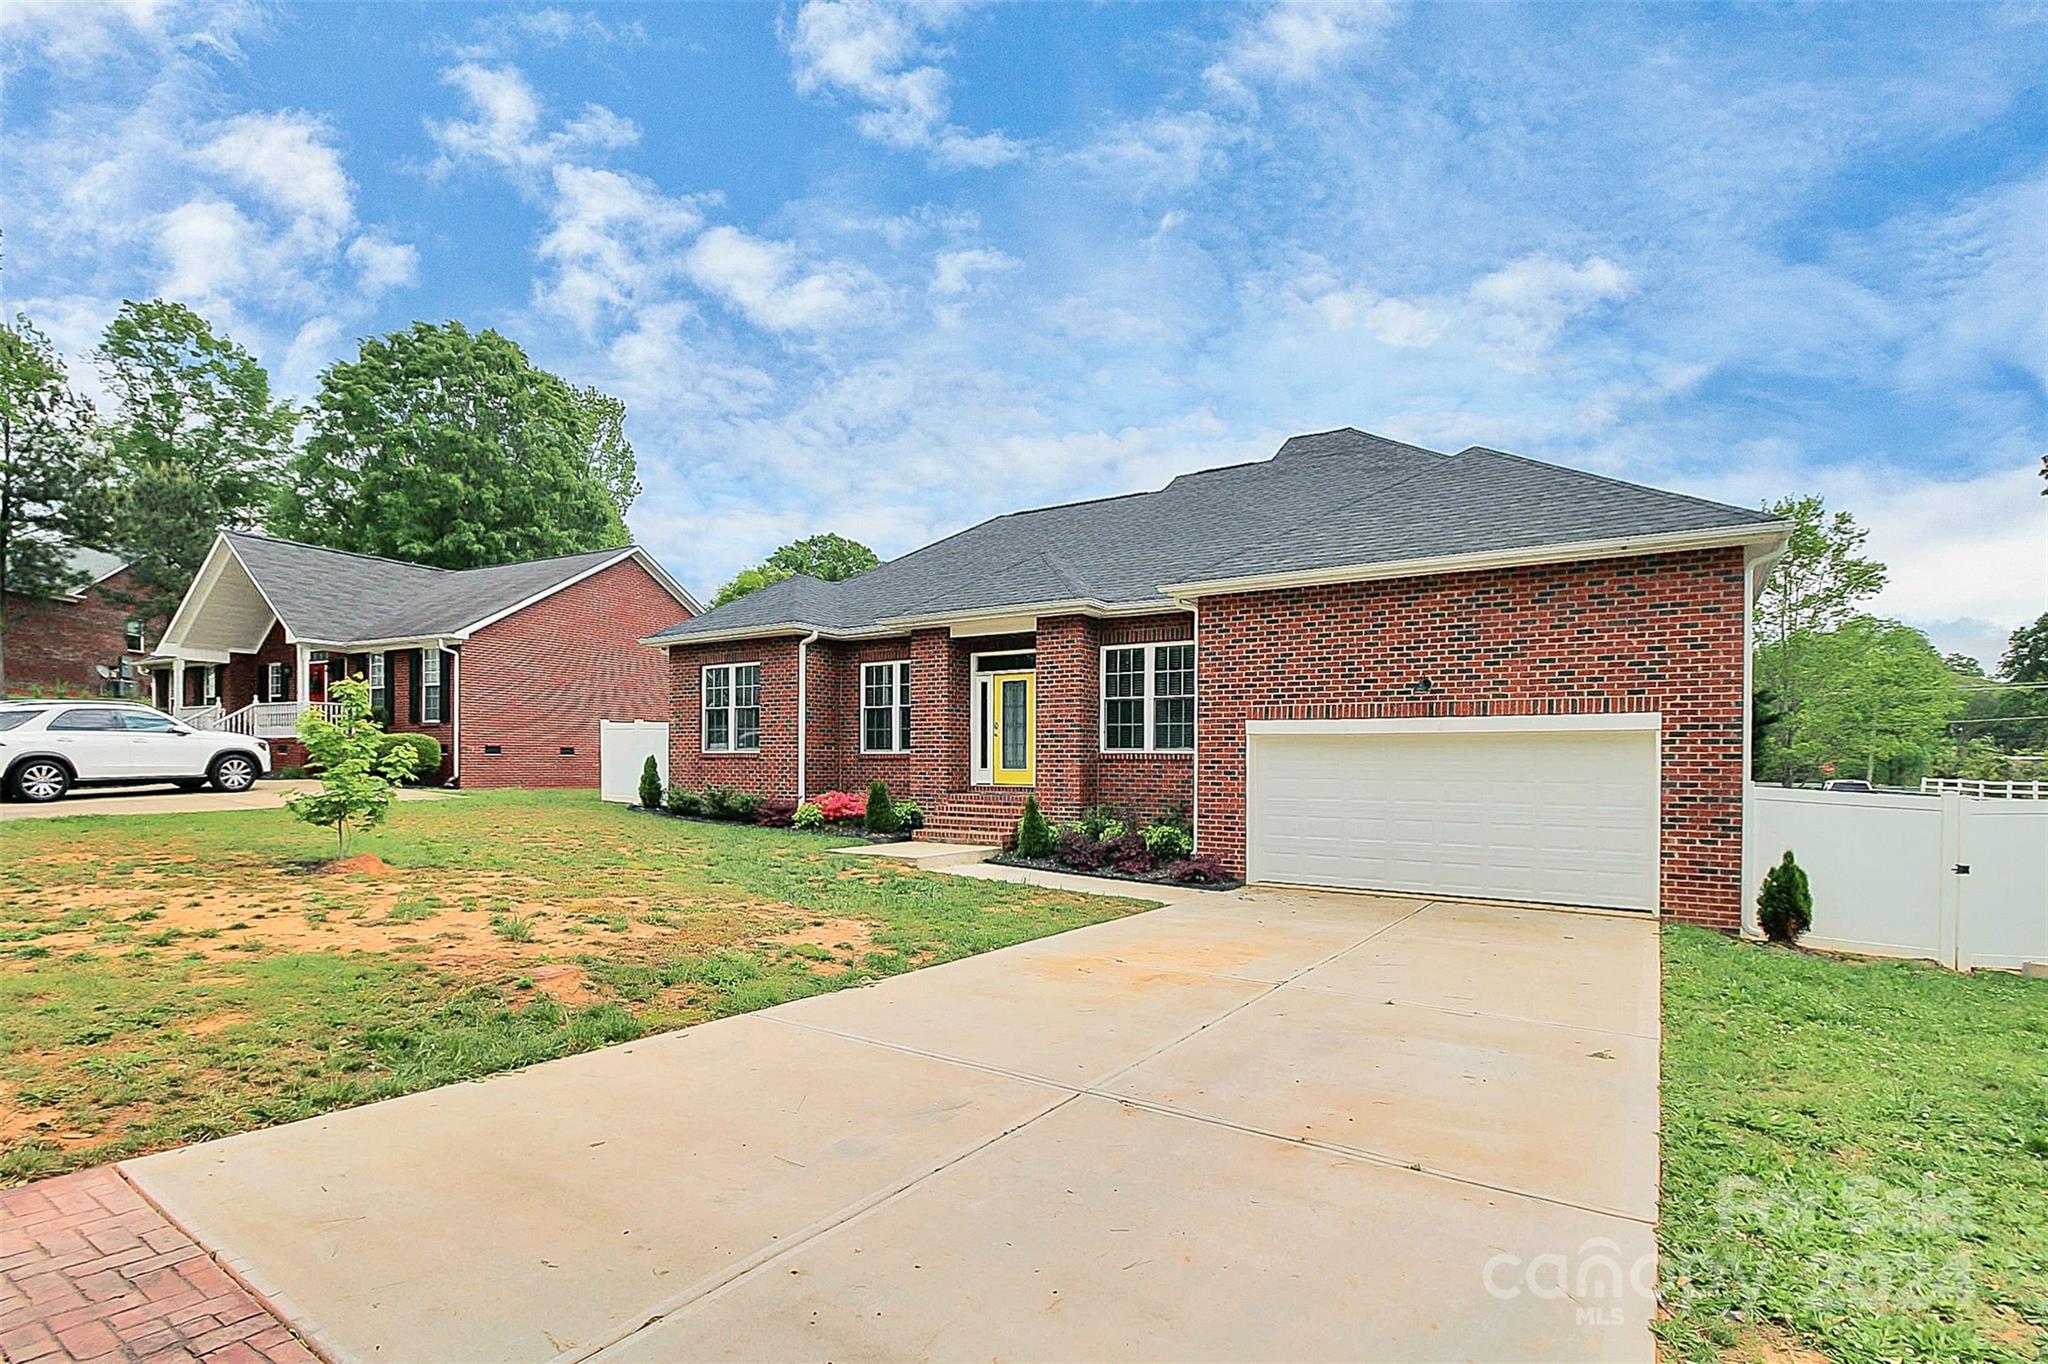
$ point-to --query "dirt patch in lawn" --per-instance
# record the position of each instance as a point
(1768, 1345)
(362, 864)
(833, 945)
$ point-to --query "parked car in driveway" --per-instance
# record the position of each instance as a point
(46, 748)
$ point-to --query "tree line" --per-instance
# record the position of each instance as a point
(1842, 693)
(435, 444)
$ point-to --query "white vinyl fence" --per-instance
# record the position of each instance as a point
(623, 749)
(1954, 879)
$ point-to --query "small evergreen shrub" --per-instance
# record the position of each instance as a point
(725, 802)
(881, 812)
(683, 801)
(1104, 821)
(1034, 835)
(425, 750)
(807, 816)
(1784, 907)
(1169, 842)
(650, 784)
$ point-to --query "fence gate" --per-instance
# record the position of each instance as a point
(623, 749)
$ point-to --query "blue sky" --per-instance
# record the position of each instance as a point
(887, 269)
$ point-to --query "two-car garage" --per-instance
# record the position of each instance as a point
(1547, 809)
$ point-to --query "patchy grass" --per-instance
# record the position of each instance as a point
(168, 978)
(1855, 1158)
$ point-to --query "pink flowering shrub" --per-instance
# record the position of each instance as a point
(838, 805)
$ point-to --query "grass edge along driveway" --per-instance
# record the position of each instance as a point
(168, 979)
(1855, 1157)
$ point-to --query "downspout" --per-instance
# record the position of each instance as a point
(455, 721)
(803, 745)
(1195, 759)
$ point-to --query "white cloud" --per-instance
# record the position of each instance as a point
(953, 272)
(504, 126)
(73, 34)
(286, 160)
(767, 281)
(501, 35)
(1167, 152)
(1392, 321)
(383, 265)
(881, 54)
(1297, 41)
(614, 240)
(1525, 305)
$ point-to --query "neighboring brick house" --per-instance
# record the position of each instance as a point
(510, 667)
(85, 641)
(1358, 663)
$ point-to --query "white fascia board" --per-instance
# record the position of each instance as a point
(362, 646)
(257, 583)
(202, 583)
(1713, 538)
(516, 607)
(1610, 721)
(1077, 606)
(795, 629)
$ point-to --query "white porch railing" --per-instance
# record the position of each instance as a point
(1995, 790)
(258, 719)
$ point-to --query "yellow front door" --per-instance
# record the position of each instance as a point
(1013, 727)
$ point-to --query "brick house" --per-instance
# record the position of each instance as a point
(86, 641)
(510, 667)
(1357, 663)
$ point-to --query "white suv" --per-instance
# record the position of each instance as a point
(48, 747)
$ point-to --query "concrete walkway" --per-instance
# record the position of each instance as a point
(1255, 1125)
(166, 799)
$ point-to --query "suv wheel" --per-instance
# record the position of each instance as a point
(41, 779)
(233, 772)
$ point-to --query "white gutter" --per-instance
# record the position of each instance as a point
(1713, 538)
(455, 721)
(803, 677)
(1758, 571)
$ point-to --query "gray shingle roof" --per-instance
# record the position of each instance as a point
(331, 596)
(1334, 499)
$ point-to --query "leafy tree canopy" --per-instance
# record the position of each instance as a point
(831, 558)
(53, 492)
(448, 447)
(1879, 706)
(2026, 654)
(609, 455)
(197, 443)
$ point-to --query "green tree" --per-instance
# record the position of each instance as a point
(829, 558)
(359, 772)
(1879, 706)
(197, 444)
(2026, 653)
(447, 447)
(52, 475)
(1816, 585)
(607, 453)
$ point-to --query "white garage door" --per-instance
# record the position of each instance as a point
(1553, 815)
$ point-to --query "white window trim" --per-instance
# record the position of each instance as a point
(1102, 697)
(433, 694)
(380, 691)
(273, 678)
(732, 719)
(898, 703)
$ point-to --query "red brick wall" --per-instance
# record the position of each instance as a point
(836, 762)
(1145, 784)
(61, 644)
(541, 679)
(1654, 633)
(770, 772)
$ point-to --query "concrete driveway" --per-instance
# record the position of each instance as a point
(1262, 1125)
(166, 799)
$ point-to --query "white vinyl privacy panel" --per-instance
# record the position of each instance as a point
(623, 751)
(1546, 814)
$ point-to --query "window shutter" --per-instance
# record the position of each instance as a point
(413, 669)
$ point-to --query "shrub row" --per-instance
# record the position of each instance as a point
(1104, 839)
(876, 811)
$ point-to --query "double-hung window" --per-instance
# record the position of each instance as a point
(885, 707)
(1148, 698)
(732, 708)
(380, 686)
(277, 682)
(433, 693)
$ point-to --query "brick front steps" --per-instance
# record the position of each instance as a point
(984, 815)
(89, 1270)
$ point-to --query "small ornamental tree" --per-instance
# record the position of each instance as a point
(359, 775)
(650, 784)
(881, 812)
(1784, 907)
(1034, 835)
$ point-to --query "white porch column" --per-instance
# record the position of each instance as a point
(177, 697)
(303, 690)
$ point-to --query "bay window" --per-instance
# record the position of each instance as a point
(885, 707)
(1148, 698)
(732, 708)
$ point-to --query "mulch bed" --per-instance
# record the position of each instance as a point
(1150, 878)
(856, 832)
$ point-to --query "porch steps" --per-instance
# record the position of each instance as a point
(983, 815)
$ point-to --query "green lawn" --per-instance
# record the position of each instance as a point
(168, 978)
(1855, 1157)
